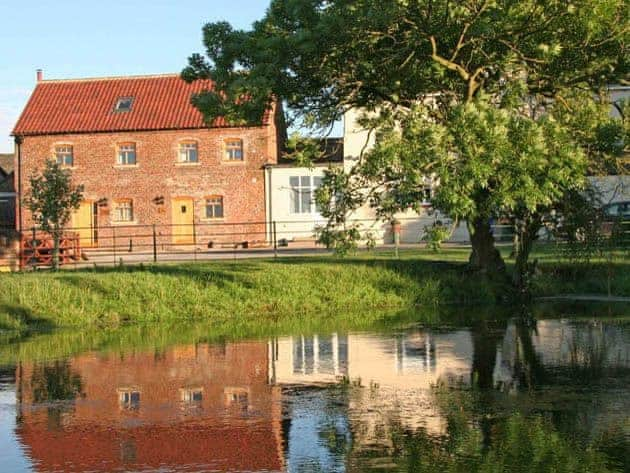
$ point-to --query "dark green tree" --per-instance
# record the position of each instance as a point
(434, 64)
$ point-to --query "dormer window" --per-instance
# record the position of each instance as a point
(123, 104)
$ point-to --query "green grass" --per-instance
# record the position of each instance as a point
(246, 293)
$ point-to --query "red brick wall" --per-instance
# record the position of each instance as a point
(157, 174)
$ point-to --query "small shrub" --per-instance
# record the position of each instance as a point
(434, 235)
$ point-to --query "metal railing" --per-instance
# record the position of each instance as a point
(138, 244)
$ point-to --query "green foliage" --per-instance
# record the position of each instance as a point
(303, 150)
(468, 92)
(435, 234)
(322, 57)
(52, 197)
(483, 444)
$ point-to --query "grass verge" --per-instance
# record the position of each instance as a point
(243, 293)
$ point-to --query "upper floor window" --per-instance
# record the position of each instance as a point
(123, 104)
(64, 155)
(127, 154)
(123, 211)
(129, 399)
(188, 152)
(303, 190)
(214, 207)
(234, 150)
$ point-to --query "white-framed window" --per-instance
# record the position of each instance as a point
(129, 399)
(237, 399)
(191, 395)
(64, 155)
(127, 154)
(123, 210)
(303, 194)
(188, 152)
(214, 207)
(234, 150)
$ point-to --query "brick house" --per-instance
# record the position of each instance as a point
(210, 406)
(146, 157)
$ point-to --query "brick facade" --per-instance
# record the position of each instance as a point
(82, 116)
(234, 424)
(159, 177)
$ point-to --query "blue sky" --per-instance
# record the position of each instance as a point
(83, 38)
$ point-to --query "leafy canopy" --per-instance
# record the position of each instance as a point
(323, 57)
(52, 197)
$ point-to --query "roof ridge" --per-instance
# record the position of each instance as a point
(97, 79)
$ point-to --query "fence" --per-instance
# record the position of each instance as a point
(135, 244)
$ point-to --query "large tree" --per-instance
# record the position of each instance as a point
(436, 65)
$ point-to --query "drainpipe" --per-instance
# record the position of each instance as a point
(268, 194)
(18, 147)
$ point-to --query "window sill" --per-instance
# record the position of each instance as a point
(69, 168)
(187, 165)
(126, 166)
(212, 220)
(233, 163)
(124, 224)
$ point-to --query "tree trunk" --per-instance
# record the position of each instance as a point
(484, 257)
(526, 234)
(55, 255)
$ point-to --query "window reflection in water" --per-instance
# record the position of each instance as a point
(320, 355)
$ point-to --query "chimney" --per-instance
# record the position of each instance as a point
(40, 75)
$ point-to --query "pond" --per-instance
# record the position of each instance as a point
(499, 394)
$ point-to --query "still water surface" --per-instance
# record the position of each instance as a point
(498, 395)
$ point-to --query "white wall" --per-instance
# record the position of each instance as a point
(291, 226)
(357, 141)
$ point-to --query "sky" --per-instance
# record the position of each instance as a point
(86, 38)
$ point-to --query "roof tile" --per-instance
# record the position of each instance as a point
(87, 105)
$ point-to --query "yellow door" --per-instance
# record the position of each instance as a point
(83, 224)
(183, 218)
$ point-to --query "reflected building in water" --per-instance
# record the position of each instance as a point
(304, 403)
(210, 407)
(398, 373)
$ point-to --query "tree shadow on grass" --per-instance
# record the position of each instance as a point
(24, 318)
(220, 274)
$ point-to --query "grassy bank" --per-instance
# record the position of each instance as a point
(245, 293)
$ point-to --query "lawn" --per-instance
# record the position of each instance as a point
(312, 290)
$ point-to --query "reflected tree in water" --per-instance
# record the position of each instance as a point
(517, 444)
(54, 383)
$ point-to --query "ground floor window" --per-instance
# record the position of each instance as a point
(123, 211)
(214, 207)
(303, 190)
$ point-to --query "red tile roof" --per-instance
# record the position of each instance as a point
(160, 102)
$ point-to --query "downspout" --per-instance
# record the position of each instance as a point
(18, 147)
(268, 203)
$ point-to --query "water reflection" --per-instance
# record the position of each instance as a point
(335, 402)
(207, 407)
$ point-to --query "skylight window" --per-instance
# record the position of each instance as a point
(123, 104)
